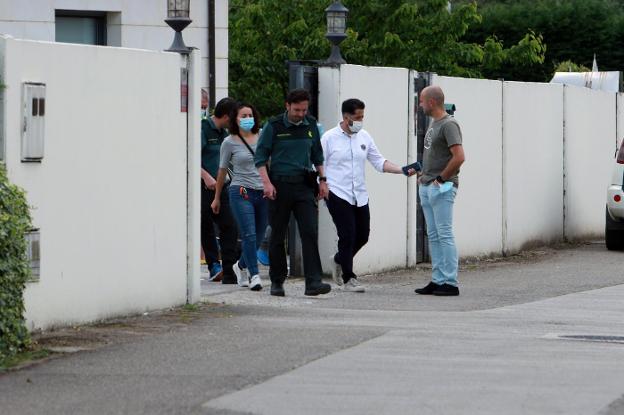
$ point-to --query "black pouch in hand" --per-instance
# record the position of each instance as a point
(310, 180)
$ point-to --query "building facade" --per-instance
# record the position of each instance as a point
(125, 23)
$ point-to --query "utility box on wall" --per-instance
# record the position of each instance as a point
(33, 121)
(33, 253)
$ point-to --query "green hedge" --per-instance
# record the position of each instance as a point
(14, 267)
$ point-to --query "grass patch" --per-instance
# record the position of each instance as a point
(190, 307)
(26, 356)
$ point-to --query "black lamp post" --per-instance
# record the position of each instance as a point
(336, 15)
(178, 12)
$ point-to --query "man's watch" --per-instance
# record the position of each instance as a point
(322, 179)
(439, 179)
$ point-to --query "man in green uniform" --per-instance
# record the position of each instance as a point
(292, 143)
(213, 133)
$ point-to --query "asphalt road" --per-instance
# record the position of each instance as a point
(495, 349)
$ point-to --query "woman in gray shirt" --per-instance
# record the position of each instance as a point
(246, 192)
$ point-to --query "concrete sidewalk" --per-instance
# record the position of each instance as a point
(486, 352)
(504, 361)
(493, 350)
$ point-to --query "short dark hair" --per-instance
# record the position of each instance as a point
(234, 129)
(351, 105)
(298, 95)
(224, 107)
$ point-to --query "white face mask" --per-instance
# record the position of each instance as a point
(356, 126)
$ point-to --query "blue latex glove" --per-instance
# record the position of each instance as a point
(446, 186)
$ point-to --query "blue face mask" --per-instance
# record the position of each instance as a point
(246, 124)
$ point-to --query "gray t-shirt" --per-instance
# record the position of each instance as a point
(236, 156)
(441, 135)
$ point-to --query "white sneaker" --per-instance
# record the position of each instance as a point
(336, 271)
(354, 286)
(241, 275)
(256, 283)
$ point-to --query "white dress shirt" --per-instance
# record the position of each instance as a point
(345, 159)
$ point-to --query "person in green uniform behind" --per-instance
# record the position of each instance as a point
(213, 133)
(291, 142)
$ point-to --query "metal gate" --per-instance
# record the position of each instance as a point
(422, 81)
(301, 74)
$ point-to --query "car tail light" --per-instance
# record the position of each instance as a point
(620, 156)
(617, 198)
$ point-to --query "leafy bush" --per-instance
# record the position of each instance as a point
(14, 267)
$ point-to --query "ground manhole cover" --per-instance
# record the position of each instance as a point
(590, 338)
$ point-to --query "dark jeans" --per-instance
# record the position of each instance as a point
(251, 216)
(353, 226)
(297, 198)
(227, 230)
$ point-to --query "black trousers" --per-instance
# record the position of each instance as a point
(353, 226)
(297, 198)
(228, 233)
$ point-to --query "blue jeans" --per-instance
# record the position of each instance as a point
(251, 215)
(438, 210)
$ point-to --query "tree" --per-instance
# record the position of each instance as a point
(569, 66)
(573, 30)
(417, 34)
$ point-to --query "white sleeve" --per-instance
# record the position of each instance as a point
(374, 156)
(325, 145)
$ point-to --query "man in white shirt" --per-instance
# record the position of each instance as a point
(346, 148)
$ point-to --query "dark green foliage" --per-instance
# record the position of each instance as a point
(416, 34)
(14, 267)
(573, 30)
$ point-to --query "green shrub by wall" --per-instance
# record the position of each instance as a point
(14, 266)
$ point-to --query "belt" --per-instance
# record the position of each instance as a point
(289, 179)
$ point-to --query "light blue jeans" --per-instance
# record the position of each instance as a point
(250, 212)
(438, 210)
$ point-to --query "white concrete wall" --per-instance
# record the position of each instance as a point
(620, 122)
(110, 194)
(131, 23)
(478, 206)
(538, 160)
(386, 119)
(590, 136)
(533, 164)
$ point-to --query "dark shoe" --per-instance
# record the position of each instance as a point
(316, 289)
(446, 290)
(277, 289)
(229, 279)
(428, 289)
(216, 272)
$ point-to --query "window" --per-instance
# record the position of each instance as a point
(88, 28)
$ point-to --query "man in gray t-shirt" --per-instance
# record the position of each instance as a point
(441, 136)
(438, 184)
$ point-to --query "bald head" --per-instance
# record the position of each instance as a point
(435, 94)
(432, 101)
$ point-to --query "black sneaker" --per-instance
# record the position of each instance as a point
(316, 289)
(446, 290)
(277, 289)
(428, 289)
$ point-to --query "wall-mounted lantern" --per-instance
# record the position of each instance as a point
(178, 12)
(336, 15)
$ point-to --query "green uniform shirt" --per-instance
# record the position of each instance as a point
(212, 137)
(293, 149)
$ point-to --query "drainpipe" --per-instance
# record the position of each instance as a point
(211, 54)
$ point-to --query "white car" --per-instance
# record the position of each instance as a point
(614, 227)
